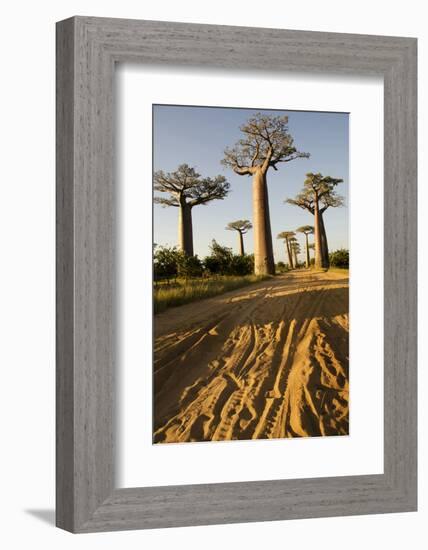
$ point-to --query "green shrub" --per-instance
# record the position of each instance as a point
(189, 266)
(165, 262)
(339, 258)
(222, 261)
(281, 267)
(242, 265)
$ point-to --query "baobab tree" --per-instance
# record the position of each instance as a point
(286, 236)
(317, 195)
(295, 249)
(311, 247)
(266, 143)
(241, 227)
(306, 230)
(293, 243)
(187, 189)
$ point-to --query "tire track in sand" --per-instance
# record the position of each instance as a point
(261, 362)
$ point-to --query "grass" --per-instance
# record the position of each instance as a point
(344, 270)
(183, 292)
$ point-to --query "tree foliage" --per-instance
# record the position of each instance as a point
(242, 265)
(266, 143)
(219, 260)
(286, 235)
(222, 261)
(340, 258)
(165, 262)
(242, 226)
(189, 266)
(186, 186)
(170, 263)
(281, 267)
(306, 229)
(318, 189)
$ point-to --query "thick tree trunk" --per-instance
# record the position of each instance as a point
(290, 258)
(241, 243)
(324, 244)
(185, 229)
(317, 236)
(263, 249)
(308, 262)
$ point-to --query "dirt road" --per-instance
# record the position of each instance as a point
(266, 361)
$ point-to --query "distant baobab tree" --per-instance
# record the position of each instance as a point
(311, 247)
(317, 195)
(295, 249)
(242, 227)
(306, 230)
(187, 189)
(293, 243)
(266, 143)
(286, 236)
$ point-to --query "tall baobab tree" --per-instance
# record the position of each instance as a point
(187, 189)
(286, 236)
(242, 227)
(266, 143)
(317, 195)
(306, 230)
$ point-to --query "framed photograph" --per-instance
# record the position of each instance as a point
(236, 274)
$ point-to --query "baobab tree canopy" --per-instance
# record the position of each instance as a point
(267, 142)
(186, 189)
(243, 226)
(306, 229)
(318, 188)
(286, 235)
(185, 185)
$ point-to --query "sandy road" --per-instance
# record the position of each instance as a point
(266, 361)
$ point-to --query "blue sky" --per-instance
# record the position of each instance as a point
(198, 136)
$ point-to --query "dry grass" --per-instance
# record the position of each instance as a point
(186, 291)
(343, 270)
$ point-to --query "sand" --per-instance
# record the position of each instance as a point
(266, 361)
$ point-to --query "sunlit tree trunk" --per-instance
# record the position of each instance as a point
(308, 262)
(263, 248)
(185, 229)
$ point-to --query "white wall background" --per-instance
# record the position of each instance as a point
(27, 271)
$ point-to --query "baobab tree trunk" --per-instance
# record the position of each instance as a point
(324, 244)
(308, 262)
(317, 236)
(263, 249)
(290, 258)
(241, 243)
(295, 257)
(185, 229)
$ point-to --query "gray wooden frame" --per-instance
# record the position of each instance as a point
(87, 50)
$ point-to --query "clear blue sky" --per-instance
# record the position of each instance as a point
(198, 136)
